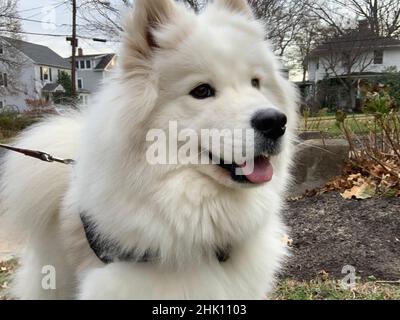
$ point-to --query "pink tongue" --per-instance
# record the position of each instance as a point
(262, 172)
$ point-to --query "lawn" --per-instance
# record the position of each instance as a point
(286, 289)
(358, 124)
(6, 269)
(332, 290)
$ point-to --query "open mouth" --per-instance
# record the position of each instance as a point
(258, 171)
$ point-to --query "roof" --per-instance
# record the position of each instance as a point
(89, 56)
(355, 40)
(39, 54)
(105, 59)
(358, 75)
(53, 87)
(83, 91)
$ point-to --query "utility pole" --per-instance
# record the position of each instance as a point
(74, 44)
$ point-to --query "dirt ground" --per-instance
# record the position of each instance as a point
(329, 232)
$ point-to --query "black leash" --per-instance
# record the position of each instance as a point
(40, 155)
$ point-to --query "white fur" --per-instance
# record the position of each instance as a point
(184, 212)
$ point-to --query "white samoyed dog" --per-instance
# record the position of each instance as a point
(115, 226)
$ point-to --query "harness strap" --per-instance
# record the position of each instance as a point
(109, 251)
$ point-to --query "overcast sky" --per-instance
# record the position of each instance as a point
(56, 15)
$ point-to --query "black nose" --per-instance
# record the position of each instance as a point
(270, 122)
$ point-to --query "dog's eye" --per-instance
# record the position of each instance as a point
(255, 83)
(203, 91)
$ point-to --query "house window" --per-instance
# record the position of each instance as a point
(84, 99)
(77, 64)
(82, 64)
(346, 60)
(88, 64)
(317, 63)
(1, 104)
(80, 84)
(51, 74)
(3, 80)
(378, 57)
(45, 73)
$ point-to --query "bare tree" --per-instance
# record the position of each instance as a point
(383, 16)
(310, 34)
(104, 17)
(9, 23)
(10, 59)
(283, 20)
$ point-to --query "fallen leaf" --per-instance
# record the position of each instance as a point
(286, 240)
(364, 191)
(324, 275)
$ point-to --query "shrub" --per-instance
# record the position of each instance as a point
(391, 80)
(12, 122)
(377, 153)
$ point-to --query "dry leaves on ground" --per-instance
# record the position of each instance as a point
(363, 188)
(364, 181)
(6, 269)
(287, 241)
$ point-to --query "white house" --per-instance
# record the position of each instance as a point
(347, 59)
(29, 72)
(90, 72)
(383, 56)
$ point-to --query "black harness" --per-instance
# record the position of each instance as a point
(109, 251)
(106, 250)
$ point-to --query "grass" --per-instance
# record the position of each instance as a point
(358, 124)
(11, 123)
(286, 289)
(4, 141)
(332, 290)
(6, 270)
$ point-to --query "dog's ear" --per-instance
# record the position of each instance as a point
(241, 6)
(147, 16)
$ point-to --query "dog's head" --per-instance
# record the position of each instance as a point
(213, 71)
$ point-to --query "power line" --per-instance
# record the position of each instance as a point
(55, 6)
(59, 35)
(35, 33)
(31, 9)
(39, 21)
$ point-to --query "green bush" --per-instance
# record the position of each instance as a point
(390, 79)
(13, 122)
